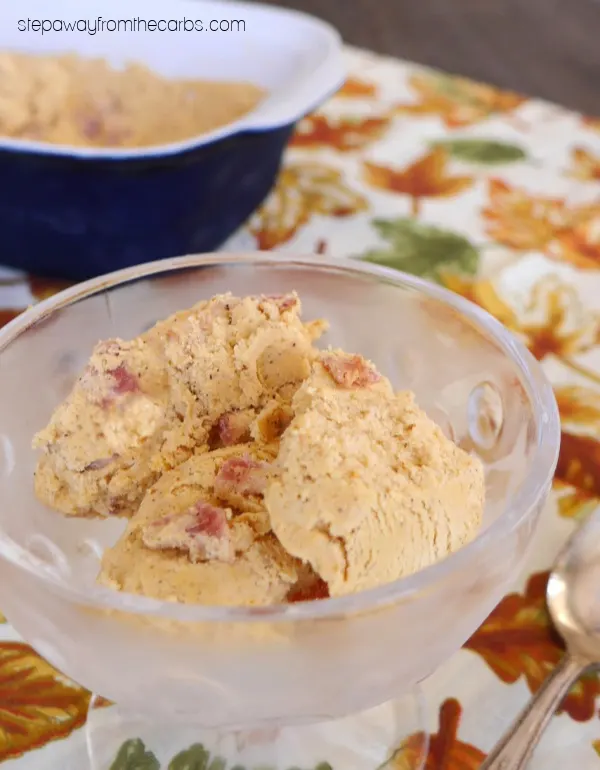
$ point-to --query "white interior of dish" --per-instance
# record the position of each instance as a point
(295, 57)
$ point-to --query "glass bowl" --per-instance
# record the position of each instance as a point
(284, 665)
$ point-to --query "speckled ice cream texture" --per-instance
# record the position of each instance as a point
(368, 488)
(252, 569)
(254, 469)
(142, 407)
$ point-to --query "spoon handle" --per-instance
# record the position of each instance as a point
(514, 749)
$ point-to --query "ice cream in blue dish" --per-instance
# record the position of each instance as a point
(76, 211)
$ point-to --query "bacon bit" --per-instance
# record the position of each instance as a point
(288, 303)
(202, 531)
(242, 476)
(308, 590)
(125, 381)
(233, 428)
(283, 301)
(117, 380)
(210, 521)
(350, 371)
(91, 127)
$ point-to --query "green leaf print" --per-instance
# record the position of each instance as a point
(217, 763)
(320, 766)
(133, 756)
(423, 250)
(487, 151)
(196, 757)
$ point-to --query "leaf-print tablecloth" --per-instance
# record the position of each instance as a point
(496, 197)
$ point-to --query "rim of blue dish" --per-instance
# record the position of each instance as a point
(518, 505)
(322, 82)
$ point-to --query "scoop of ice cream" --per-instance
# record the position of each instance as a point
(123, 423)
(367, 488)
(254, 468)
(217, 375)
(263, 574)
(202, 535)
(235, 354)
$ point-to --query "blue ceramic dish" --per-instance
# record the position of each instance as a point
(75, 222)
(79, 212)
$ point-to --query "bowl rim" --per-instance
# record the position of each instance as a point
(519, 503)
(310, 91)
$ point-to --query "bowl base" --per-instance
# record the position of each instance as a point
(388, 737)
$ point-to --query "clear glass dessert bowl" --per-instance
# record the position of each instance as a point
(307, 662)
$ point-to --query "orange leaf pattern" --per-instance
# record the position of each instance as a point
(548, 224)
(517, 641)
(578, 405)
(520, 221)
(585, 164)
(577, 477)
(409, 755)
(343, 134)
(303, 190)
(552, 322)
(446, 752)
(574, 503)
(457, 101)
(581, 244)
(37, 704)
(355, 87)
(578, 470)
(427, 177)
(555, 322)
(484, 294)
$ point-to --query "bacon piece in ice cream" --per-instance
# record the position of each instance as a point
(233, 428)
(350, 371)
(124, 380)
(202, 531)
(283, 301)
(241, 476)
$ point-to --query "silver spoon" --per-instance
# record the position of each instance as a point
(573, 597)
